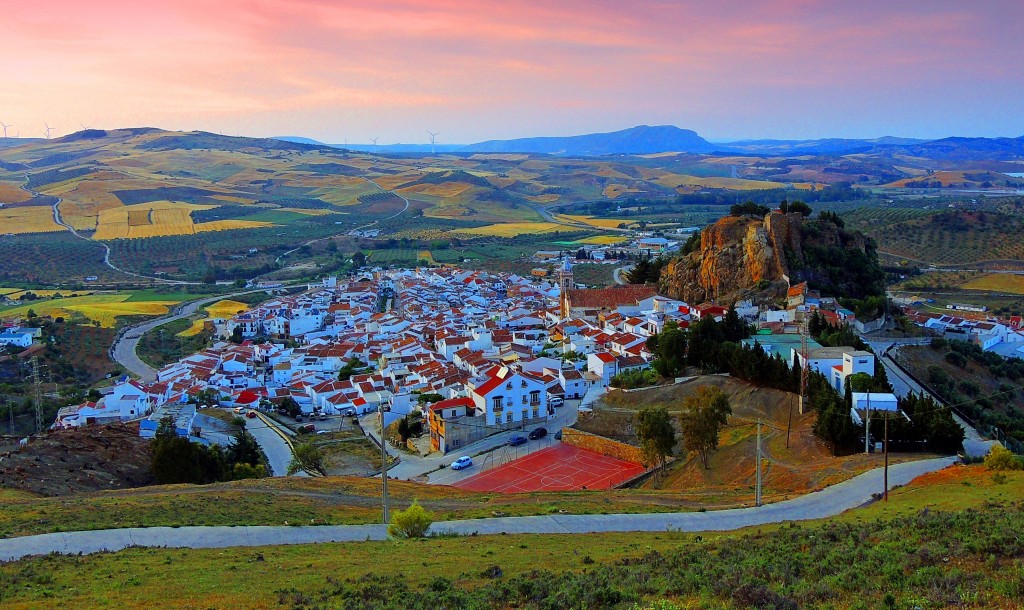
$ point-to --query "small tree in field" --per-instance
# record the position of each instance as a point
(657, 436)
(412, 522)
(707, 411)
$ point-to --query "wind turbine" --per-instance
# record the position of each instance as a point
(374, 140)
(5, 128)
(433, 139)
(85, 127)
(48, 130)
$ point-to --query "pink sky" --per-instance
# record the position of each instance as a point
(475, 70)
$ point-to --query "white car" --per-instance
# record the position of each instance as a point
(463, 462)
(556, 401)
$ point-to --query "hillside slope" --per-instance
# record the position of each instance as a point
(743, 257)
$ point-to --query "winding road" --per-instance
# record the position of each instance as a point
(359, 228)
(828, 502)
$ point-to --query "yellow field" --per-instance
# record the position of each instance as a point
(309, 211)
(161, 218)
(196, 328)
(444, 190)
(426, 256)
(601, 223)
(500, 157)
(225, 309)
(33, 219)
(12, 193)
(603, 240)
(545, 198)
(512, 229)
(226, 225)
(389, 183)
(997, 282)
(104, 308)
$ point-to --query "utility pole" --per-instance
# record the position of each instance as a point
(757, 494)
(885, 475)
(10, 415)
(37, 394)
(383, 463)
(867, 424)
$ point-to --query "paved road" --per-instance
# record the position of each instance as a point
(123, 351)
(826, 503)
(413, 467)
(273, 443)
(619, 274)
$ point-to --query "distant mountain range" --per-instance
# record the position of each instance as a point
(645, 139)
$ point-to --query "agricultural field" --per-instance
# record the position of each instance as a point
(104, 308)
(931, 236)
(32, 219)
(603, 240)
(997, 282)
(598, 223)
(512, 229)
(10, 193)
(220, 310)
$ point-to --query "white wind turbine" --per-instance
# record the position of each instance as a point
(48, 130)
(433, 139)
(5, 128)
(374, 140)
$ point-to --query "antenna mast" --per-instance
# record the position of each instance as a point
(37, 394)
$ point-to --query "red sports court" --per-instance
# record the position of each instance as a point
(558, 468)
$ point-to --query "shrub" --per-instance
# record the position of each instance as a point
(1000, 458)
(412, 522)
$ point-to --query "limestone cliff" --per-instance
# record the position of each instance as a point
(753, 258)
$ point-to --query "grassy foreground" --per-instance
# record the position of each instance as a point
(950, 539)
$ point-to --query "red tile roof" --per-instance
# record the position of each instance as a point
(610, 297)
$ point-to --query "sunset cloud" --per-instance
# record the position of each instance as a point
(479, 70)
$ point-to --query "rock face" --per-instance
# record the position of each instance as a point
(750, 258)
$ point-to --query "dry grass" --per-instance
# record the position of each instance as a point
(511, 229)
(500, 157)
(12, 193)
(34, 219)
(601, 223)
(997, 282)
(616, 190)
(162, 218)
(545, 198)
(197, 327)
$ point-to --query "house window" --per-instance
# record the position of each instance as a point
(496, 403)
(534, 397)
(508, 386)
(524, 399)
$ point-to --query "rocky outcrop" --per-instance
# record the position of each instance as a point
(752, 258)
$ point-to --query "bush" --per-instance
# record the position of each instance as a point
(412, 522)
(1000, 458)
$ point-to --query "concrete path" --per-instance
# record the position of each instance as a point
(826, 503)
(273, 442)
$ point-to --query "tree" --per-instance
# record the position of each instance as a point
(358, 259)
(290, 406)
(236, 335)
(244, 450)
(351, 367)
(307, 457)
(403, 428)
(800, 206)
(1000, 458)
(657, 435)
(708, 410)
(412, 522)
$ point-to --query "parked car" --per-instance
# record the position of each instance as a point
(556, 401)
(298, 418)
(558, 435)
(537, 433)
(251, 414)
(516, 440)
(351, 412)
(463, 462)
(322, 417)
(307, 428)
